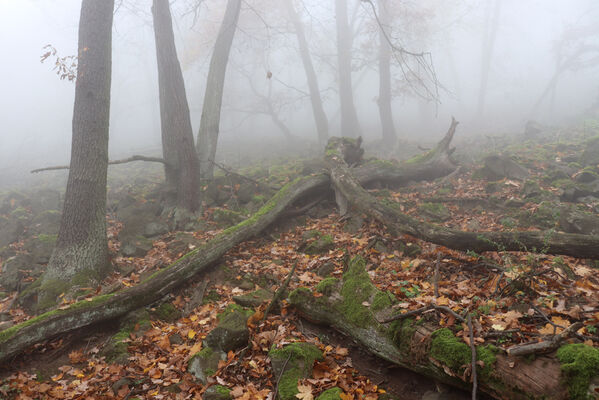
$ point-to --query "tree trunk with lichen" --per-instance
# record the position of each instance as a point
(354, 307)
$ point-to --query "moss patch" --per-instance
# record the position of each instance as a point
(233, 308)
(167, 312)
(327, 285)
(330, 394)
(580, 363)
(298, 359)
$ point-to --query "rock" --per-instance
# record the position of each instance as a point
(10, 230)
(246, 192)
(533, 129)
(573, 220)
(353, 224)
(154, 229)
(136, 247)
(45, 223)
(166, 312)
(135, 218)
(183, 243)
(292, 363)
(205, 363)
(499, 166)
(326, 269)
(586, 176)
(409, 249)
(225, 218)
(253, 299)
(214, 195)
(217, 392)
(11, 271)
(116, 387)
(40, 247)
(530, 189)
(231, 332)
(315, 242)
(5, 325)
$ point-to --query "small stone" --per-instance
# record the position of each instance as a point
(326, 269)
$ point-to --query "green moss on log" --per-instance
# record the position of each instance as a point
(580, 364)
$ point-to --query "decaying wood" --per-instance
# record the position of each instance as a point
(114, 162)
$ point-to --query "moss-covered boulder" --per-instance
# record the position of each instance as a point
(166, 312)
(116, 349)
(500, 166)
(13, 271)
(292, 363)
(314, 242)
(231, 332)
(205, 363)
(575, 220)
(40, 247)
(136, 246)
(217, 392)
(225, 218)
(254, 299)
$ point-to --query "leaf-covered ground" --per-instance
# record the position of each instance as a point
(514, 297)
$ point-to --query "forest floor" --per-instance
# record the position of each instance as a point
(515, 297)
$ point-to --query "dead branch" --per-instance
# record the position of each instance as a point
(545, 346)
(114, 162)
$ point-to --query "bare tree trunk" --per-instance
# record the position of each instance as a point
(350, 126)
(213, 97)
(182, 166)
(384, 102)
(490, 28)
(322, 123)
(81, 253)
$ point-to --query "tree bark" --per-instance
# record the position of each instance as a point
(182, 166)
(81, 253)
(213, 97)
(350, 125)
(384, 100)
(413, 346)
(322, 123)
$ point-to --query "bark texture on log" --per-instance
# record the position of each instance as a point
(354, 306)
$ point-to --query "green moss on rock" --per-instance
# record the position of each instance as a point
(580, 364)
(292, 363)
(167, 312)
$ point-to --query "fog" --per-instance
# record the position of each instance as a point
(36, 106)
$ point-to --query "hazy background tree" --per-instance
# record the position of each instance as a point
(213, 97)
(350, 126)
(182, 166)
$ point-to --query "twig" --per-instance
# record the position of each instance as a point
(421, 310)
(544, 346)
(228, 171)
(123, 161)
(282, 372)
(436, 276)
(473, 351)
(279, 293)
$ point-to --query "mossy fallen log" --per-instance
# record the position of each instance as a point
(348, 186)
(105, 307)
(354, 307)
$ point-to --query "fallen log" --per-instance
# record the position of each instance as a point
(348, 185)
(354, 307)
(109, 306)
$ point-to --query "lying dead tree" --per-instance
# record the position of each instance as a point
(348, 184)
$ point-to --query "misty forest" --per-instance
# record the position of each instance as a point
(299, 199)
